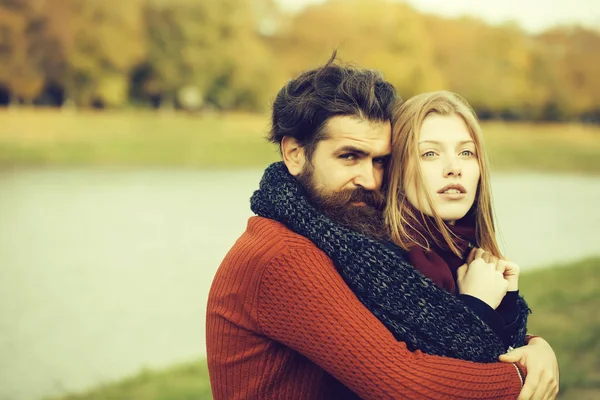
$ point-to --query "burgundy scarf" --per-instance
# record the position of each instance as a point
(440, 263)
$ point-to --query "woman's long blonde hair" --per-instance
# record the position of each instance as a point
(399, 214)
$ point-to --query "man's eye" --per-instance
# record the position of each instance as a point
(380, 161)
(349, 156)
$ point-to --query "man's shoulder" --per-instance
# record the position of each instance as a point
(265, 231)
(265, 245)
(264, 240)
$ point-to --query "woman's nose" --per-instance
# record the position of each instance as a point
(452, 167)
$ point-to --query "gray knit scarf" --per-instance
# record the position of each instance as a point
(412, 307)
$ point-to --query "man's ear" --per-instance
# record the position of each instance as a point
(293, 155)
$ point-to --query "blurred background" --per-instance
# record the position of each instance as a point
(132, 136)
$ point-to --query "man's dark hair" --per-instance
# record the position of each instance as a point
(306, 103)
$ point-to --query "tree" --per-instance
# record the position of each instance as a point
(491, 66)
(211, 47)
(572, 61)
(377, 34)
(20, 67)
(100, 41)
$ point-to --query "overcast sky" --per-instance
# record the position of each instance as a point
(533, 15)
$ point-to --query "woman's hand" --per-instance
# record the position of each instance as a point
(511, 274)
(509, 269)
(483, 281)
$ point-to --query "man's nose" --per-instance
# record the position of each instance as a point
(452, 167)
(366, 178)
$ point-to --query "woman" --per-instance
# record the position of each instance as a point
(439, 207)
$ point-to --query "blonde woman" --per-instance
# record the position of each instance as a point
(439, 208)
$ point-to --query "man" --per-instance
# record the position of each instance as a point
(281, 321)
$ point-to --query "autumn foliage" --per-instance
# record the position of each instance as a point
(235, 54)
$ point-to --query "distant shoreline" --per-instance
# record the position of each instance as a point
(137, 138)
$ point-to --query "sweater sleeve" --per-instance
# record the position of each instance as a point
(305, 304)
(514, 311)
(509, 312)
(491, 317)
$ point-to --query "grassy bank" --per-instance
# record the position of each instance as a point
(565, 304)
(137, 138)
(143, 138)
(183, 382)
(565, 300)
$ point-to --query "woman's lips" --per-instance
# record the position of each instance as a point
(453, 188)
(452, 195)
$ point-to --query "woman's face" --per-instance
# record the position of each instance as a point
(448, 159)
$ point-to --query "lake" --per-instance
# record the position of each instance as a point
(106, 272)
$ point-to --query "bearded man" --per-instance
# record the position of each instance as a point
(308, 304)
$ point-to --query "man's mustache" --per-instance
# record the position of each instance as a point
(372, 198)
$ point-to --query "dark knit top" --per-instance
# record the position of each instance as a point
(503, 320)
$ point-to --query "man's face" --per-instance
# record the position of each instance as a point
(345, 173)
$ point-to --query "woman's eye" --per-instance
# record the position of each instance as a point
(467, 153)
(428, 154)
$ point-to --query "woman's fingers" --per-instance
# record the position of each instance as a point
(471, 255)
(501, 265)
(479, 253)
(486, 256)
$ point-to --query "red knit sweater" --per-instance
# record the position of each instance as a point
(282, 324)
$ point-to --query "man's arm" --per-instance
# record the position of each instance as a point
(305, 304)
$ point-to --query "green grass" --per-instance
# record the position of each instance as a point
(47, 137)
(140, 138)
(182, 382)
(543, 147)
(565, 300)
(566, 312)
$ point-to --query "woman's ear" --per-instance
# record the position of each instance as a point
(293, 155)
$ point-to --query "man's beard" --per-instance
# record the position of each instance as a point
(366, 219)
